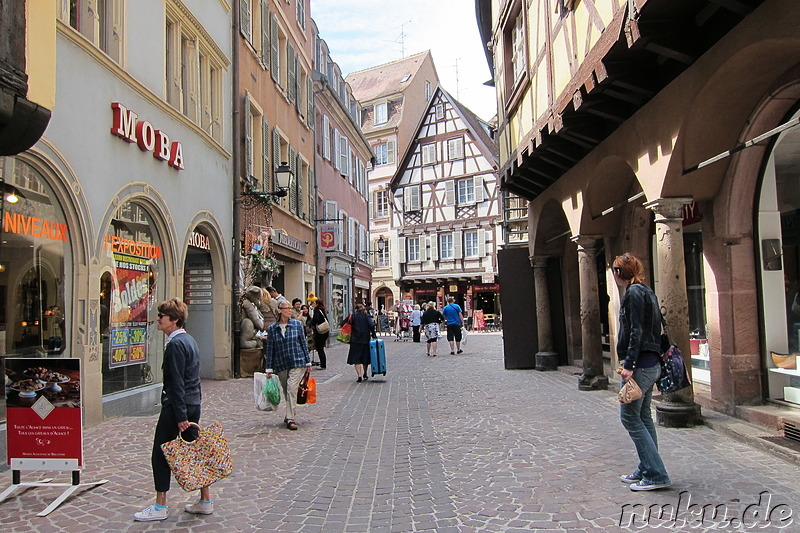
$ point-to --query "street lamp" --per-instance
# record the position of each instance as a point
(380, 246)
(283, 177)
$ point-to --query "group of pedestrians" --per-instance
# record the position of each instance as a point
(429, 322)
(287, 355)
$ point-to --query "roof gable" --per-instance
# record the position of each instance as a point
(459, 118)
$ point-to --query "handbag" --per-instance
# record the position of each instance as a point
(302, 389)
(323, 327)
(630, 392)
(463, 336)
(200, 462)
(673, 371)
(345, 331)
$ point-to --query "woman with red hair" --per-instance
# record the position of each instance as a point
(638, 349)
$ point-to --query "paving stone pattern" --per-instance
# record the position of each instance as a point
(452, 443)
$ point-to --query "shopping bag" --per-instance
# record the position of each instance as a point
(259, 394)
(463, 336)
(272, 390)
(345, 331)
(200, 462)
(311, 397)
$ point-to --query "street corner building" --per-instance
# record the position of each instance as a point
(665, 128)
(126, 198)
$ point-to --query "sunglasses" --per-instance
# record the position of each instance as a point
(617, 270)
(162, 315)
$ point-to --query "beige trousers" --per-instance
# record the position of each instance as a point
(290, 379)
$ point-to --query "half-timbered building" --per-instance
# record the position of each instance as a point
(446, 209)
(665, 128)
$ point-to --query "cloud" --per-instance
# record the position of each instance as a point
(362, 34)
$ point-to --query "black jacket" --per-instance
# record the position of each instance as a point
(363, 328)
(639, 324)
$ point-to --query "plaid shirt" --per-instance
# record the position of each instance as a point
(285, 352)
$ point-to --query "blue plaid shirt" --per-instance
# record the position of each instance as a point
(285, 352)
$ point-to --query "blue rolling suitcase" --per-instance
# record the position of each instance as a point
(377, 355)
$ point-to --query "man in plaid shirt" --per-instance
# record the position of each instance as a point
(287, 356)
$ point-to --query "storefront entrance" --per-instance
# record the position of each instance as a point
(198, 293)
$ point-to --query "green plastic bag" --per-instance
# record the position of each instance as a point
(273, 390)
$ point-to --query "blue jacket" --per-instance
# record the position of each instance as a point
(639, 325)
(284, 352)
(181, 369)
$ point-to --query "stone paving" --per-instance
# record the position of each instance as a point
(452, 443)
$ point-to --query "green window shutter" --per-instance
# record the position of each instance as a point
(244, 19)
(299, 186)
(310, 92)
(293, 186)
(312, 201)
(276, 153)
(248, 140)
(291, 71)
(266, 46)
(275, 63)
(266, 178)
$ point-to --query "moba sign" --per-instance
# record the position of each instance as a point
(128, 126)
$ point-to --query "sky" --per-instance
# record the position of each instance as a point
(366, 33)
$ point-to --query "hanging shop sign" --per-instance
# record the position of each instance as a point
(328, 237)
(127, 126)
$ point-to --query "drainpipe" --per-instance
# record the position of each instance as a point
(237, 128)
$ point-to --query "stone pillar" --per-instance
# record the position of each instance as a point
(546, 357)
(678, 409)
(593, 377)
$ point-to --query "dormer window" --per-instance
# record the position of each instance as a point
(381, 113)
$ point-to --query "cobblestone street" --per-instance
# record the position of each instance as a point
(452, 443)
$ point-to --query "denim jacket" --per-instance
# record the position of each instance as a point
(639, 325)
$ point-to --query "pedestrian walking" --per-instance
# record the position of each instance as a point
(305, 318)
(638, 348)
(287, 356)
(363, 330)
(180, 406)
(454, 318)
(416, 321)
(430, 321)
(320, 339)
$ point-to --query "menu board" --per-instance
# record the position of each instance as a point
(43, 414)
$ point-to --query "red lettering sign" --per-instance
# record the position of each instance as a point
(127, 126)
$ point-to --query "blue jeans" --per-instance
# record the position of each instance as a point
(637, 419)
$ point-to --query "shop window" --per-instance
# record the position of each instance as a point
(130, 291)
(34, 263)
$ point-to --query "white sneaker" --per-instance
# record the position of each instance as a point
(200, 507)
(151, 513)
